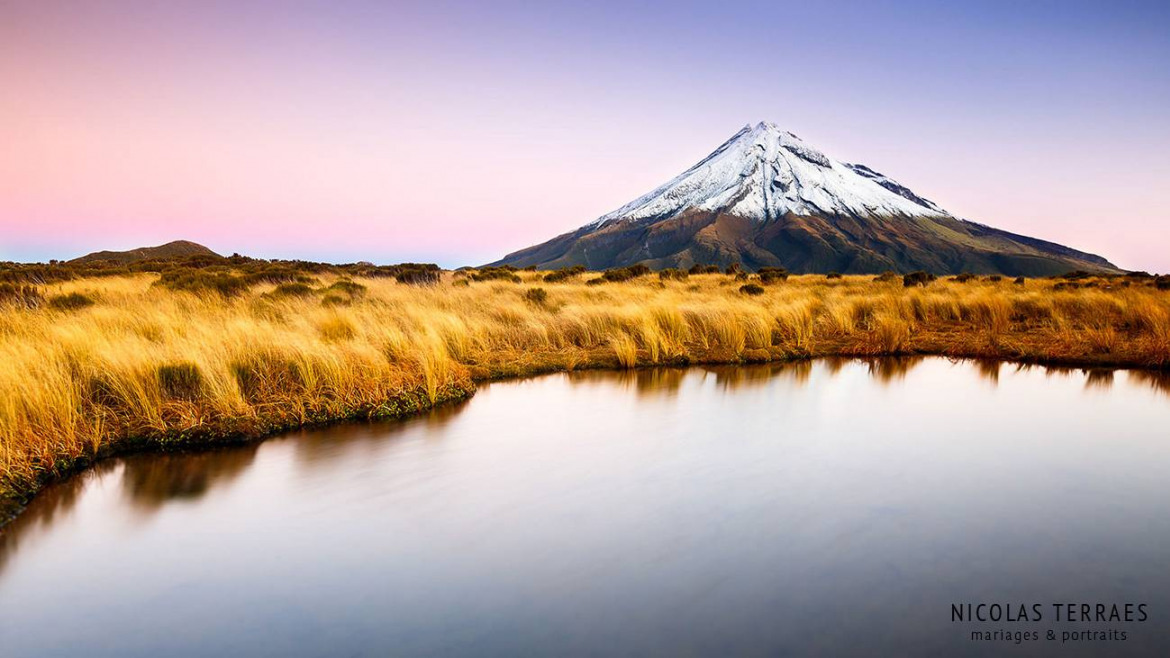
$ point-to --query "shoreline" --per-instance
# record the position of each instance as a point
(415, 402)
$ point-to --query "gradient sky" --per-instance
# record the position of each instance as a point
(455, 132)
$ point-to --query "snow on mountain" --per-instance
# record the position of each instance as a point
(764, 172)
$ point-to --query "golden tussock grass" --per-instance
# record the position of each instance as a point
(144, 366)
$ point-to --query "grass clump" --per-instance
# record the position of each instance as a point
(219, 282)
(336, 328)
(295, 289)
(347, 287)
(181, 381)
(72, 301)
(751, 289)
(343, 292)
(20, 295)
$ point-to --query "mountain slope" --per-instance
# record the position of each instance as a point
(767, 198)
(176, 249)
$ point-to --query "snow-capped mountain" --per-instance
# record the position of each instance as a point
(763, 173)
(768, 198)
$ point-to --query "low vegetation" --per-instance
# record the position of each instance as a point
(70, 302)
(227, 351)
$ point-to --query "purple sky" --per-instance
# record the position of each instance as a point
(455, 132)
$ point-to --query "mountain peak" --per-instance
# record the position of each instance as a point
(764, 172)
(174, 249)
(767, 198)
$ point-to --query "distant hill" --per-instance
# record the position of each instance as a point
(176, 249)
(766, 198)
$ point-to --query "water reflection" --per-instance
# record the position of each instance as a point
(1157, 380)
(647, 382)
(988, 369)
(151, 481)
(52, 503)
(893, 369)
(329, 446)
(1098, 378)
(532, 504)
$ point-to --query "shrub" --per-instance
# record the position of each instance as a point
(751, 289)
(536, 296)
(625, 273)
(181, 380)
(502, 273)
(464, 282)
(672, 274)
(292, 290)
(594, 282)
(421, 275)
(564, 273)
(1019, 281)
(919, 278)
(994, 278)
(703, 269)
(886, 277)
(206, 280)
(276, 273)
(20, 295)
(404, 272)
(833, 275)
(70, 302)
(733, 268)
(1162, 282)
(772, 274)
(347, 287)
(962, 278)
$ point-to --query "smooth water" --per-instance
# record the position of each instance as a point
(825, 508)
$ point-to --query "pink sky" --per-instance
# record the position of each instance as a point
(450, 134)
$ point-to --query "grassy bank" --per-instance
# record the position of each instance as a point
(93, 366)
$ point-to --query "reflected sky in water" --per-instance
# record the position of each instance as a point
(836, 506)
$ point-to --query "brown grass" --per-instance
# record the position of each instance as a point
(147, 366)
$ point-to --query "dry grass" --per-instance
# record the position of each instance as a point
(148, 366)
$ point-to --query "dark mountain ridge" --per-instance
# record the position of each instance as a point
(175, 249)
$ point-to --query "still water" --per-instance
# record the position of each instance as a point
(825, 508)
